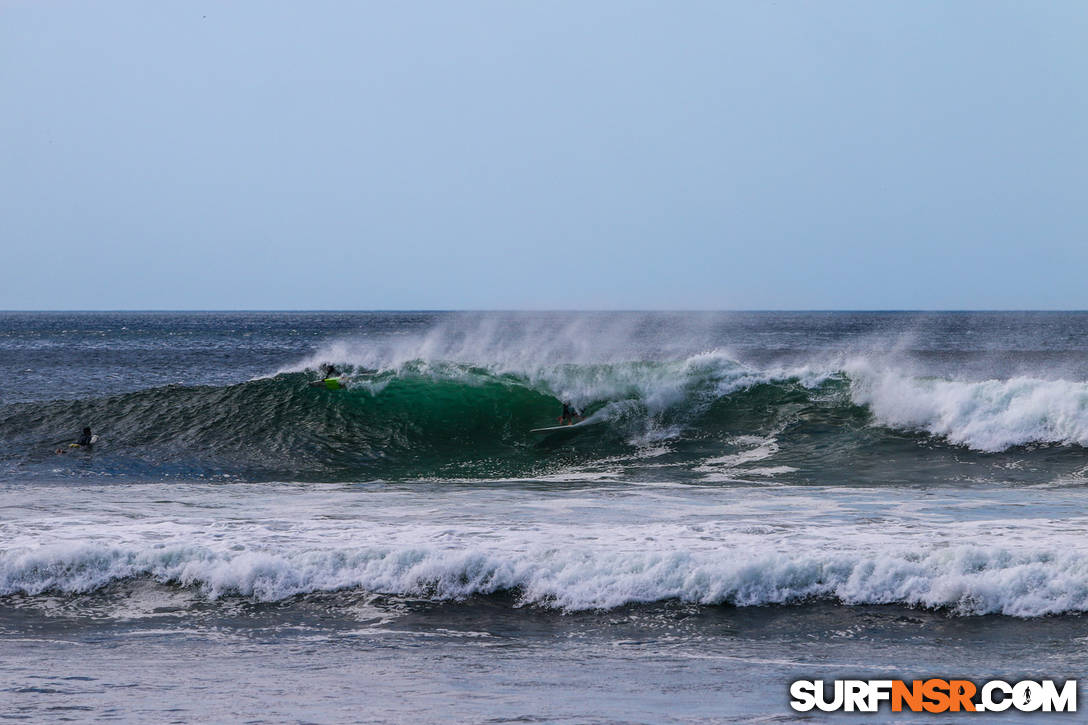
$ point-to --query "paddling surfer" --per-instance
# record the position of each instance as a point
(86, 440)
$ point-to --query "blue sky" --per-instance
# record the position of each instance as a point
(482, 155)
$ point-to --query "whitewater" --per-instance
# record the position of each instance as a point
(581, 549)
(762, 495)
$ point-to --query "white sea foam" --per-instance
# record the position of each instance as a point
(575, 550)
(602, 546)
(967, 579)
(987, 415)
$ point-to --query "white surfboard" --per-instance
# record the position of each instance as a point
(556, 428)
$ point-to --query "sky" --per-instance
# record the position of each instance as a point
(587, 154)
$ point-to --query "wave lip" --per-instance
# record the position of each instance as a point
(967, 580)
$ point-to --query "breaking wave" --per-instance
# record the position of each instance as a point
(967, 580)
(430, 417)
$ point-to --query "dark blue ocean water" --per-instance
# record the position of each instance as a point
(755, 498)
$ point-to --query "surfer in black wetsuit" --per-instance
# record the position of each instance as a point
(569, 414)
(86, 439)
(328, 370)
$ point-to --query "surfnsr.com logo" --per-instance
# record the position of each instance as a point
(934, 695)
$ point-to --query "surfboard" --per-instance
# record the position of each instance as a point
(330, 383)
(557, 428)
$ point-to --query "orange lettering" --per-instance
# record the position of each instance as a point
(911, 695)
(961, 692)
(936, 691)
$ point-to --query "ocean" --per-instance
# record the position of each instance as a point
(754, 498)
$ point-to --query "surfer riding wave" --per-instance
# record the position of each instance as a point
(570, 414)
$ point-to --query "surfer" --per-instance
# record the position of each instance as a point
(331, 378)
(569, 414)
(86, 440)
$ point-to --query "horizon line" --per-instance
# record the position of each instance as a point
(535, 310)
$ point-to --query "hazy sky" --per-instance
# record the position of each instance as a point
(588, 154)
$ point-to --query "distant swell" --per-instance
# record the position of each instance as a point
(966, 580)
